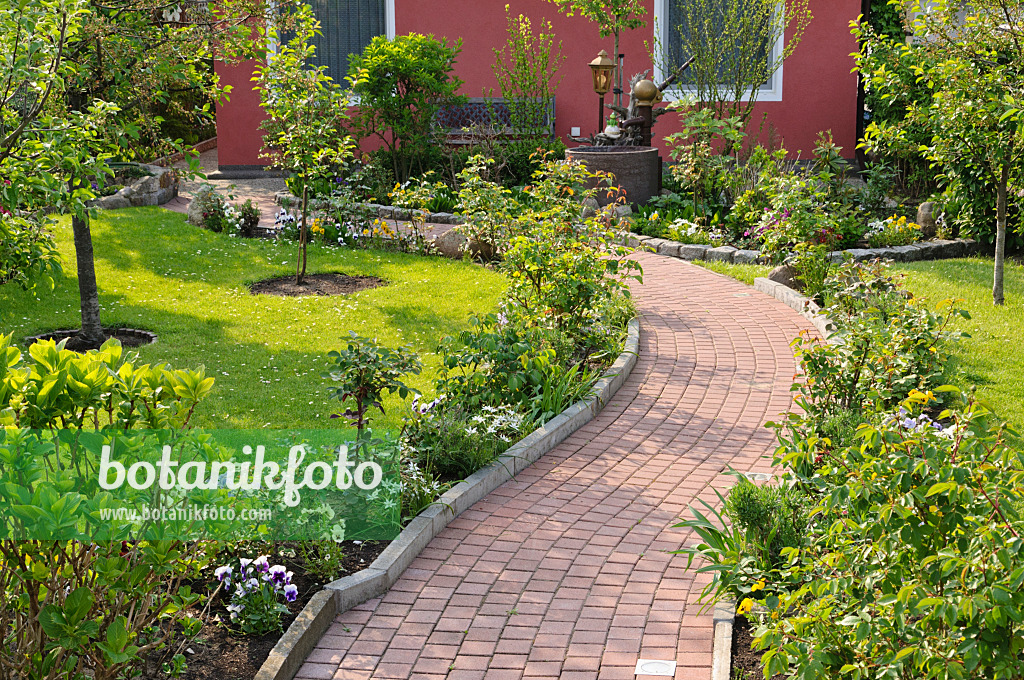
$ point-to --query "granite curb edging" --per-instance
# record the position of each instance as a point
(302, 635)
(724, 617)
(937, 249)
(384, 212)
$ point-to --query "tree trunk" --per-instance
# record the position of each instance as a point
(300, 264)
(92, 331)
(997, 275)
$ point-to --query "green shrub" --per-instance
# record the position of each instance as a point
(366, 371)
(85, 608)
(771, 517)
(452, 442)
(401, 85)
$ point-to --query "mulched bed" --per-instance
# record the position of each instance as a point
(129, 337)
(746, 662)
(316, 284)
(218, 653)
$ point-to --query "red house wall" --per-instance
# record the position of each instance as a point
(819, 90)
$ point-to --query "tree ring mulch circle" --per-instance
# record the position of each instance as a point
(316, 284)
(129, 337)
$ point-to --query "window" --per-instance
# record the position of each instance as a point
(668, 22)
(347, 27)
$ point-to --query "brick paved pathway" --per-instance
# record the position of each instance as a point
(563, 572)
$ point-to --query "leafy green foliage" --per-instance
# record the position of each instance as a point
(972, 118)
(28, 254)
(69, 608)
(525, 69)
(366, 371)
(909, 561)
(401, 84)
(771, 517)
(306, 112)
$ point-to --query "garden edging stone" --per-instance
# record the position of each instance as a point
(923, 250)
(291, 650)
(384, 212)
(721, 653)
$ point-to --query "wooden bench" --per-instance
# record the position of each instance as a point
(464, 124)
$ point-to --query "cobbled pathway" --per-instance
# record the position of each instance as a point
(566, 571)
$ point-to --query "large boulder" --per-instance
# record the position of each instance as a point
(926, 219)
(450, 244)
(786, 275)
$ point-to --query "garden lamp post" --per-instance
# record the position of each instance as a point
(602, 68)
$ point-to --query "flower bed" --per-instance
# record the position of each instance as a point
(874, 548)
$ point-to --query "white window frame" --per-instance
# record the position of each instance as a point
(770, 93)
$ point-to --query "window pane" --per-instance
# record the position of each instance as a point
(347, 27)
(710, 38)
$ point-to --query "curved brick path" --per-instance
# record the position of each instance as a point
(563, 572)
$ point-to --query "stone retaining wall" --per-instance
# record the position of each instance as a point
(156, 189)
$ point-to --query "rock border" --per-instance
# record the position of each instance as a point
(384, 212)
(147, 337)
(159, 187)
(339, 596)
(937, 249)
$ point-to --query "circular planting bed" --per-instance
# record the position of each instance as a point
(128, 337)
(315, 284)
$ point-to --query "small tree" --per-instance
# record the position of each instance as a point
(73, 76)
(401, 85)
(612, 17)
(733, 46)
(525, 68)
(306, 111)
(974, 66)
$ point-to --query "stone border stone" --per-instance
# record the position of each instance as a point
(147, 337)
(925, 250)
(291, 650)
(159, 187)
(721, 651)
(384, 212)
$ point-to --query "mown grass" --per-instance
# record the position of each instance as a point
(743, 272)
(267, 353)
(990, 359)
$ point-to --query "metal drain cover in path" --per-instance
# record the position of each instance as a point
(654, 667)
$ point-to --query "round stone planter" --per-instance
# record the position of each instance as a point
(637, 169)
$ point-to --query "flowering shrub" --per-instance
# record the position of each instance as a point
(892, 231)
(255, 589)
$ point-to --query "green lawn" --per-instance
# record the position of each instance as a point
(744, 272)
(267, 353)
(990, 358)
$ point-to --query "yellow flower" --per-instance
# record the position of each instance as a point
(757, 586)
(745, 606)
